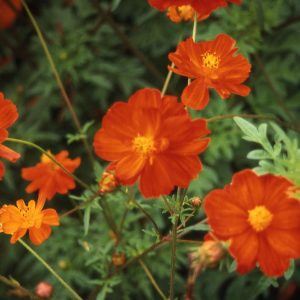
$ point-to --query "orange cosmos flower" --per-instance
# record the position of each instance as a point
(49, 178)
(8, 116)
(258, 217)
(181, 13)
(16, 220)
(212, 65)
(152, 139)
(8, 12)
(203, 7)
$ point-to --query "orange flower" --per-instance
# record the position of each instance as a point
(183, 13)
(203, 7)
(8, 12)
(152, 139)
(8, 116)
(49, 178)
(212, 65)
(258, 217)
(16, 220)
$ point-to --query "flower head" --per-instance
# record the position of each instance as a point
(210, 64)
(49, 178)
(153, 140)
(108, 182)
(181, 13)
(16, 220)
(203, 7)
(259, 219)
(8, 12)
(44, 290)
(8, 116)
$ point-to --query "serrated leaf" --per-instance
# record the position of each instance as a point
(258, 154)
(247, 128)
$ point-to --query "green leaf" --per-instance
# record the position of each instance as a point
(248, 129)
(86, 219)
(258, 154)
(289, 273)
(115, 4)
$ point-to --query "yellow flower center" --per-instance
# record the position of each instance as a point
(143, 144)
(210, 60)
(259, 218)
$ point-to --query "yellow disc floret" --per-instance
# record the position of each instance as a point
(259, 218)
(143, 144)
(210, 60)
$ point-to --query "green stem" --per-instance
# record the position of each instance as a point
(83, 184)
(59, 81)
(108, 216)
(152, 280)
(50, 269)
(167, 81)
(165, 199)
(179, 200)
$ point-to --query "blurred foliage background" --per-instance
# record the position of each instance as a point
(104, 51)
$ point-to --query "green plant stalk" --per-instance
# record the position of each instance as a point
(108, 216)
(19, 141)
(50, 269)
(152, 280)
(167, 81)
(58, 80)
(179, 200)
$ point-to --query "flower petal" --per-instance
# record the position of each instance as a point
(39, 235)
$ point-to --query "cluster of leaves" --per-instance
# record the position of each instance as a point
(105, 50)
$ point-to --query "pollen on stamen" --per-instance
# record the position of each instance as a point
(143, 144)
(259, 218)
(210, 60)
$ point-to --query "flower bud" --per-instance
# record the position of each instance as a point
(118, 259)
(44, 290)
(196, 201)
(108, 182)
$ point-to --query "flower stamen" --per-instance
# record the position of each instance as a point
(259, 218)
(210, 60)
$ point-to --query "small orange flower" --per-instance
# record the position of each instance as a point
(152, 139)
(183, 13)
(108, 182)
(49, 178)
(8, 116)
(16, 220)
(203, 7)
(211, 64)
(8, 12)
(259, 219)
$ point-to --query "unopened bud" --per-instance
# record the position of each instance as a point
(44, 290)
(108, 182)
(118, 259)
(63, 264)
(196, 201)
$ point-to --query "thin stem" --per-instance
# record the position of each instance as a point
(148, 216)
(152, 280)
(167, 81)
(108, 216)
(194, 33)
(19, 141)
(179, 200)
(59, 81)
(16, 285)
(165, 199)
(50, 269)
(251, 116)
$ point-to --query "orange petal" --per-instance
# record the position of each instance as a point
(8, 112)
(271, 263)
(17, 235)
(50, 217)
(196, 95)
(244, 248)
(146, 98)
(8, 154)
(1, 170)
(39, 235)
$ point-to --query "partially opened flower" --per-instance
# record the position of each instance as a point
(8, 12)
(48, 178)
(203, 7)
(181, 13)
(8, 116)
(210, 64)
(259, 218)
(16, 220)
(153, 140)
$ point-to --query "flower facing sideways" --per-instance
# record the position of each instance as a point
(153, 140)
(259, 218)
(210, 64)
(203, 7)
(17, 219)
(48, 178)
(8, 116)
(181, 13)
